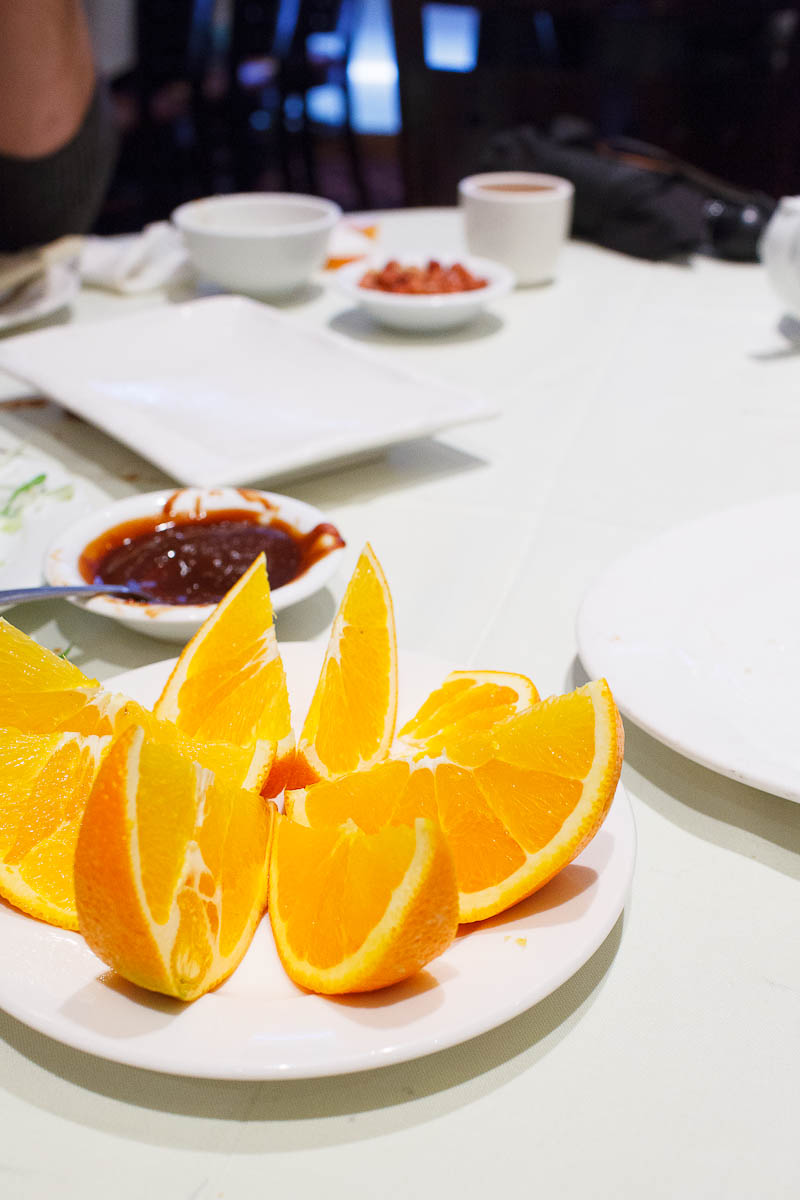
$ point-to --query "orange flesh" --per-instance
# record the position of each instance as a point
(169, 892)
(352, 912)
(512, 800)
(351, 718)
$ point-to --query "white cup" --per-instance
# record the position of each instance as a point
(518, 218)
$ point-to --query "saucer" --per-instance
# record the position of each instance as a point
(178, 622)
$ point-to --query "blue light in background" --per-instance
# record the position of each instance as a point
(372, 72)
(326, 105)
(450, 33)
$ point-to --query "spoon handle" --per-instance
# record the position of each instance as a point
(21, 595)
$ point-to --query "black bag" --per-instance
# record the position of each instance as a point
(636, 198)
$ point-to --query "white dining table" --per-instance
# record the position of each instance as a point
(632, 396)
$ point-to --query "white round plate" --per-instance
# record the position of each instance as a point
(425, 314)
(258, 1025)
(43, 296)
(178, 622)
(698, 635)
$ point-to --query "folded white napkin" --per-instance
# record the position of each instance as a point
(154, 258)
(157, 257)
(21, 268)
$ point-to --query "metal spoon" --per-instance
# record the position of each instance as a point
(22, 595)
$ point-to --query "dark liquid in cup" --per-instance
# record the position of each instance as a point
(517, 187)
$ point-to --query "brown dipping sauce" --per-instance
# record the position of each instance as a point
(194, 558)
(517, 187)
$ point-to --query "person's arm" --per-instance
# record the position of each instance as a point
(46, 75)
(57, 137)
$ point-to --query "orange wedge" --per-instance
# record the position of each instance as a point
(230, 764)
(517, 801)
(466, 701)
(170, 869)
(352, 912)
(350, 722)
(42, 693)
(46, 780)
(229, 684)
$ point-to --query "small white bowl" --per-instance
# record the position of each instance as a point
(260, 243)
(425, 314)
(178, 622)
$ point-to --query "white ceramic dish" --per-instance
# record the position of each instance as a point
(51, 291)
(227, 390)
(698, 635)
(29, 522)
(425, 314)
(176, 622)
(258, 1025)
(261, 243)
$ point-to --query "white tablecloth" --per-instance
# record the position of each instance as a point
(633, 396)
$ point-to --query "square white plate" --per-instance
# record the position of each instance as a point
(225, 390)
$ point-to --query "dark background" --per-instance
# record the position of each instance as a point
(231, 95)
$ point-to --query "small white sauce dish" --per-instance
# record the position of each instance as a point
(428, 313)
(178, 622)
(259, 243)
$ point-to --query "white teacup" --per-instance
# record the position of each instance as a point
(518, 218)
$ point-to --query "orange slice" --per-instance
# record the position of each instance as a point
(229, 684)
(516, 801)
(352, 912)
(350, 722)
(46, 780)
(466, 701)
(42, 693)
(170, 869)
(231, 764)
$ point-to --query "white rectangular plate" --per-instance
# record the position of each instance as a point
(226, 390)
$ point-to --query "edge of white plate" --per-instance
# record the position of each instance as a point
(597, 665)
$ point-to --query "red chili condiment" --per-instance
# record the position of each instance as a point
(194, 558)
(431, 280)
